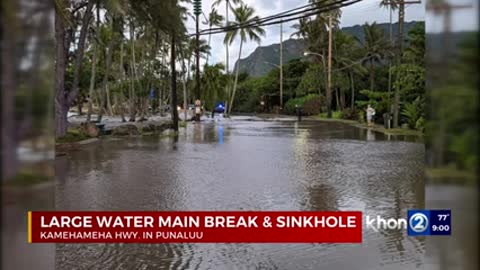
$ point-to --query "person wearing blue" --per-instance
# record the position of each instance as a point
(219, 108)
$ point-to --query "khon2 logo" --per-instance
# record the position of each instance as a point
(429, 222)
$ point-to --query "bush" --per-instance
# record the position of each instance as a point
(412, 113)
(291, 104)
(312, 104)
(350, 114)
(420, 124)
(361, 116)
(335, 115)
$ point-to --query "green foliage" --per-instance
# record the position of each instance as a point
(213, 83)
(335, 115)
(413, 112)
(420, 124)
(312, 104)
(410, 80)
(415, 52)
(312, 81)
(250, 92)
(72, 136)
(25, 179)
(461, 147)
(453, 124)
(378, 100)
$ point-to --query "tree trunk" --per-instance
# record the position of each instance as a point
(372, 76)
(61, 105)
(103, 100)
(185, 78)
(227, 62)
(132, 96)
(236, 78)
(72, 95)
(342, 99)
(122, 79)
(8, 80)
(396, 104)
(80, 105)
(92, 82)
(161, 90)
(173, 101)
(353, 91)
(133, 71)
(209, 41)
(337, 99)
(107, 74)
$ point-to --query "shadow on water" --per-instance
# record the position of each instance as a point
(248, 165)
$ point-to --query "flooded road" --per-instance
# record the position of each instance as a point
(248, 165)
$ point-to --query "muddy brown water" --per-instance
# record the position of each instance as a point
(248, 165)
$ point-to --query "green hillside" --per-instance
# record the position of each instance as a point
(258, 63)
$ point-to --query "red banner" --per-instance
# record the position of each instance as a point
(195, 227)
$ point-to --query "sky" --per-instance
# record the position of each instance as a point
(359, 13)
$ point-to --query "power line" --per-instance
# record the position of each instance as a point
(277, 16)
(275, 19)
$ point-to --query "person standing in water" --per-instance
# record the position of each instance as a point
(370, 113)
(198, 110)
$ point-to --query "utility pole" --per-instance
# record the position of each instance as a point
(197, 6)
(281, 66)
(446, 9)
(329, 76)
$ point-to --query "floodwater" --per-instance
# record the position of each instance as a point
(248, 165)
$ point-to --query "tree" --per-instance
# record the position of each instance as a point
(94, 65)
(317, 36)
(415, 53)
(213, 82)
(376, 47)
(214, 19)
(243, 14)
(63, 98)
(228, 6)
(345, 58)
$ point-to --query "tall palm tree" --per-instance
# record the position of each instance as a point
(213, 82)
(214, 19)
(376, 48)
(346, 60)
(228, 6)
(243, 14)
(391, 5)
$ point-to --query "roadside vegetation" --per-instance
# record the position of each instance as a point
(360, 75)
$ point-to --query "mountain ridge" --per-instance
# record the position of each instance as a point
(265, 58)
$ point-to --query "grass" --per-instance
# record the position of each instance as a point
(450, 174)
(72, 136)
(337, 117)
(402, 131)
(25, 179)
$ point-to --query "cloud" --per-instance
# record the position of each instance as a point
(359, 13)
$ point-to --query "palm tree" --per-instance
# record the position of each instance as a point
(228, 6)
(213, 82)
(391, 5)
(345, 59)
(376, 48)
(214, 19)
(243, 14)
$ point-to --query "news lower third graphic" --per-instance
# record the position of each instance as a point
(429, 222)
